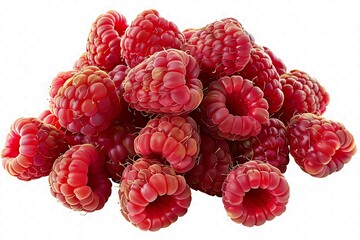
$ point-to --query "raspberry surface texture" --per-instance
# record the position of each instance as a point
(319, 146)
(173, 139)
(221, 48)
(147, 34)
(302, 94)
(152, 195)
(83, 61)
(31, 148)
(103, 43)
(261, 71)
(212, 166)
(166, 82)
(57, 83)
(276, 61)
(255, 192)
(87, 102)
(234, 109)
(270, 146)
(78, 179)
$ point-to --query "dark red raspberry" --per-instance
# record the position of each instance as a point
(87, 102)
(255, 192)
(152, 195)
(302, 94)
(31, 148)
(174, 138)
(319, 146)
(57, 83)
(166, 82)
(118, 75)
(103, 43)
(221, 48)
(83, 61)
(212, 166)
(270, 146)
(233, 108)
(117, 142)
(263, 74)
(78, 179)
(147, 34)
(277, 62)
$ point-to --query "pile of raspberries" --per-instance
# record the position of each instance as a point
(162, 112)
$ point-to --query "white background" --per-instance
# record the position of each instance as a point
(38, 39)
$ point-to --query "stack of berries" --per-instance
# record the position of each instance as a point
(163, 112)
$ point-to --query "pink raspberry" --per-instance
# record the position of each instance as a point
(212, 166)
(152, 195)
(221, 48)
(103, 43)
(117, 143)
(302, 94)
(261, 71)
(166, 82)
(319, 146)
(83, 61)
(147, 34)
(255, 192)
(31, 148)
(270, 146)
(174, 138)
(57, 83)
(233, 108)
(78, 179)
(87, 102)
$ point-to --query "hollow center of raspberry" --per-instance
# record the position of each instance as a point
(236, 106)
(161, 204)
(257, 198)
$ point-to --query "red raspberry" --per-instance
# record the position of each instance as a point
(212, 166)
(31, 148)
(83, 61)
(57, 83)
(147, 34)
(270, 146)
(78, 179)
(87, 102)
(118, 74)
(277, 62)
(302, 94)
(234, 109)
(117, 142)
(103, 43)
(188, 33)
(262, 72)
(221, 48)
(174, 138)
(152, 196)
(255, 192)
(319, 146)
(166, 82)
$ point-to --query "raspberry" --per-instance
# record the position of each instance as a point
(277, 62)
(255, 192)
(83, 61)
(152, 196)
(270, 146)
(234, 109)
(319, 146)
(188, 33)
(47, 117)
(147, 34)
(302, 94)
(87, 102)
(117, 142)
(212, 166)
(78, 179)
(262, 72)
(221, 48)
(57, 83)
(174, 138)
(31, 147)
(166, 82)
(118, 74)
(103, 43)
